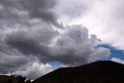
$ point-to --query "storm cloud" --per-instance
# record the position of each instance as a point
(73, 47)
(22, 10)
(30, 33)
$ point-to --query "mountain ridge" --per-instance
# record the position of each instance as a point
(88, 73)
(96, 72)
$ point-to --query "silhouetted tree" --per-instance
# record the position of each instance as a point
(20, 79)
(9, 81)
(28, 81)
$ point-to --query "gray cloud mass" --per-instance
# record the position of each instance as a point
(31, 37)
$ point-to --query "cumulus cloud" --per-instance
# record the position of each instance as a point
(25, 10)
(73, 47)
(31, 42)
(24, 26)
(10, 63)
(117, 60)
(102, 17)
(30, 32)
(35, 70)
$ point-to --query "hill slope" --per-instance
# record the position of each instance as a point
(6, 79)
(13, 79)
(98, 72)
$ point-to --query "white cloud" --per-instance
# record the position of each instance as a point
(117, 60)
(35, 70)
(102, 17)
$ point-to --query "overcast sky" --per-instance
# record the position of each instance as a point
(36, 33)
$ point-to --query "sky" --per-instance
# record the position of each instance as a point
(39, 36)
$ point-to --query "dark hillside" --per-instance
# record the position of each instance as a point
(7, 79)
(98, 72)
(13, 79)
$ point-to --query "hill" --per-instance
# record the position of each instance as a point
(7, 79)
(97, 72)
(13, 79)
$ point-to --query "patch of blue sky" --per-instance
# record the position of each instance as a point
(114, 52)
(56, 63)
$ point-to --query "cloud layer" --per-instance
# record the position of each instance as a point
(31, 37)
(102, 17)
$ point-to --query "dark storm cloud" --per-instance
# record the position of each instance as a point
(24, 26)
(73, 47)
(76, 47)
(20, 10)
(41, 9)
(25, 46)
(31, 42)
(10, 63)
(28, 35)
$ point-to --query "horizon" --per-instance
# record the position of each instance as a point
(99, 61)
